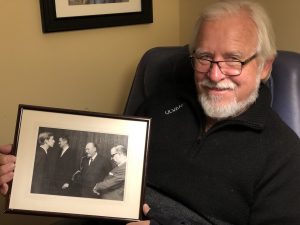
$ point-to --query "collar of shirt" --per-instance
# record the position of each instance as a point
(93, 158)
(63, 151)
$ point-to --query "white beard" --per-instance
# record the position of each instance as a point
(212, 107)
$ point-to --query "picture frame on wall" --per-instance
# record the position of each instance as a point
(66, 15)
(78, 164)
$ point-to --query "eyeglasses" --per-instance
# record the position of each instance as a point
(112, 155)
(227, 67)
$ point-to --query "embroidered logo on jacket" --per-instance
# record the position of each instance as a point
(176, 108)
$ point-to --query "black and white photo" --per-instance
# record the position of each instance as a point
(84, 2)
(70, 163)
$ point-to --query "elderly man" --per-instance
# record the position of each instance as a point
(112, 187)
(93, 169)
(224, 157)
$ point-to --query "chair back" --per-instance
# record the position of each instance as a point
(285, 87)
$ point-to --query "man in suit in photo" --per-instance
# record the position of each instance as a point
(112, 187)
(93, 169)
(41, 171)
(65, 167)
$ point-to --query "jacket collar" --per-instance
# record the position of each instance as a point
(255, 116)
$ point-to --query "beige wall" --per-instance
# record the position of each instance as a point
(93, 69)
(285, 18)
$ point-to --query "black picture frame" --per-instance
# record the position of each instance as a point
(105, 131)
(51, 23)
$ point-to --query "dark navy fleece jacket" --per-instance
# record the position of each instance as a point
(244, 170)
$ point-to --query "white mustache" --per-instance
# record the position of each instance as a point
(224, 84)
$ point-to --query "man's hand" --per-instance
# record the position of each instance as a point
(95, 190)
(7, 166)
(146, 209)
(65, 186)
(75, 175)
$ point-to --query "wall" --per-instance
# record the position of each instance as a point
(285, 18)
(93, 69)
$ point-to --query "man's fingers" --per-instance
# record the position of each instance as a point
(5, 149)
(6, 178)
(6, 168)
(3, 189)
(146, 209)
(146, 222)
(6, 159)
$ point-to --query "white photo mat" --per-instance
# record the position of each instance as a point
(63, 9)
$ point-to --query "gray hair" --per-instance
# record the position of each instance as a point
(44, 136)
(266, 47)
(120, 149)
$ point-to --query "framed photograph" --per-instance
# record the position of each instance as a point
(64, 15)
(78, 164)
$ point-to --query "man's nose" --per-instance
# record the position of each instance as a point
(215, 73)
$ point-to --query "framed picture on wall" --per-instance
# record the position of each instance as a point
(79, 163)
(64, 15)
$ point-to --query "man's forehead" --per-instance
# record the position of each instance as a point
(225, 54)
(113, 151)
(235, 32)
(89, 145)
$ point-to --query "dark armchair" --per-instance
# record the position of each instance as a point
(163, 66)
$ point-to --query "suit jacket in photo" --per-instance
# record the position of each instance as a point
(65, 167)
(40, 178)
(112, 187)
(92, 174)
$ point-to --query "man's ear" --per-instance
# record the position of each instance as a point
(266, 70)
